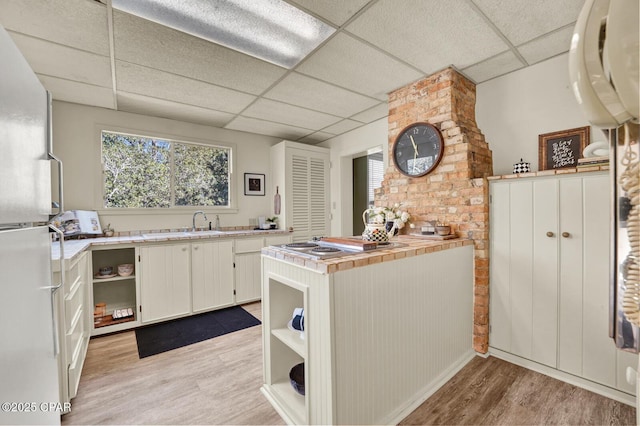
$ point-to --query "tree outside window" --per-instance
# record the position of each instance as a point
(144, 172)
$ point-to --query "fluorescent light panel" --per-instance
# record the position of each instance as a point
(271, 30)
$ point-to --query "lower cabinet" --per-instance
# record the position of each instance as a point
(247, 269)
(165, 284)
(248, 265)
(211, 275)
(74, 326)
(549, 277)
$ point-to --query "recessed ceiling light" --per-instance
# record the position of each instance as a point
(271, 30)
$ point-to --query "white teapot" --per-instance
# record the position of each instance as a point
(375, 227)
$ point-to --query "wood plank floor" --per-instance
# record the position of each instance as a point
(217, 382)
(490, 391)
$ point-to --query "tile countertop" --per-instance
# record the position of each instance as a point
(414, 246)
(74, 247)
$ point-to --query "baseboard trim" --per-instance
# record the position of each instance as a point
(431, 388)
(606, 391)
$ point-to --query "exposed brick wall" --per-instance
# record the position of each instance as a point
(456, 192)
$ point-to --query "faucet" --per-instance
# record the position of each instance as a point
(194, 218)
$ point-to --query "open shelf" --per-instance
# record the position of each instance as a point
(116, 292)
(286, 395)
(292, 340)
(108, 320)
(116, 278)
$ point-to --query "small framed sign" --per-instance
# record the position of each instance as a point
(562, 149)
(253, 184)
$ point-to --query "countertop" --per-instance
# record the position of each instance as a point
(413, 246)
(74, 247)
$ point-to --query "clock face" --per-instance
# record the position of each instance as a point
(418, 149)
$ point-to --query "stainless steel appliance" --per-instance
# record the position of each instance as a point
(319, 250)
(29, 388)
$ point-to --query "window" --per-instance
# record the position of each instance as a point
(375, 174)
(146, 172)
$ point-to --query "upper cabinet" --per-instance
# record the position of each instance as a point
(301, 174)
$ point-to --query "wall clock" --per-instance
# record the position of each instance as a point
(418, 149)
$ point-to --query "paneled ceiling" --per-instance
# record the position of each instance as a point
(85, 52)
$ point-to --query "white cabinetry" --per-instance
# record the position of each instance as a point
(247, 269)
(117, 292)
(247, 265)
(301, 172)
(165, 287)
(212, 275)
(549, 275)
(73, 323)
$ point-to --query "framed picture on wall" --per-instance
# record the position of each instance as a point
(253, 184)
(562, 149)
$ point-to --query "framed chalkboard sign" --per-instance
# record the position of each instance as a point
(562, 149)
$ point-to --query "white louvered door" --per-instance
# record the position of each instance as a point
(309, 181)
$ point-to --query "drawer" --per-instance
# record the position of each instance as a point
(73, 303)
(75, 366)
(248, 245)
(74, 334)
(278, 240)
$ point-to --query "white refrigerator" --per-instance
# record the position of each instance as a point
(29, 391)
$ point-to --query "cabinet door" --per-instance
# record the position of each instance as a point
(248, 275)
(544, 326)
(571, 275)
(500, 309)
(598, 350)
(308, 202)
(165, 281)
(521, 267)
(211, 275)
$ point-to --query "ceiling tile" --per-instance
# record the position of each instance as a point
(78, 93)
(342, 126)
(146, 43)
(77, 23)
(493, 67)
(372, 114)
(350, 63)
(138, 104)
(279, 112)
(158, 84)
(524, 20)
(56, 60)
(432, 36)
(547, 46)
(315, 138)
(261, 127)
(308, 92)
(335, 11)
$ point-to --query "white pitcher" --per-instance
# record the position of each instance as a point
(376, 231)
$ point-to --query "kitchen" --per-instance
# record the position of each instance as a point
(347, 122)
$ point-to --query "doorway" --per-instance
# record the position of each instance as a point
(368, 172)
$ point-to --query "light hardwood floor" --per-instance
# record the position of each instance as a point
(217, 382)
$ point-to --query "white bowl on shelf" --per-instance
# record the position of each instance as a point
(125, 269)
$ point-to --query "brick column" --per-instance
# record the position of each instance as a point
(456, 192)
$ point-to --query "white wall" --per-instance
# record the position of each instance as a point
(511, 111)
(343, 149)
(514, 109)
(76, 136)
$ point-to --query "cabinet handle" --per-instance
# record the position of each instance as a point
(550, 234)
(195, 247)
(566, 234)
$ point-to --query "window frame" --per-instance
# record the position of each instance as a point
(232, 207)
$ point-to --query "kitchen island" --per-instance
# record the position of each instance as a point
(383, 329)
